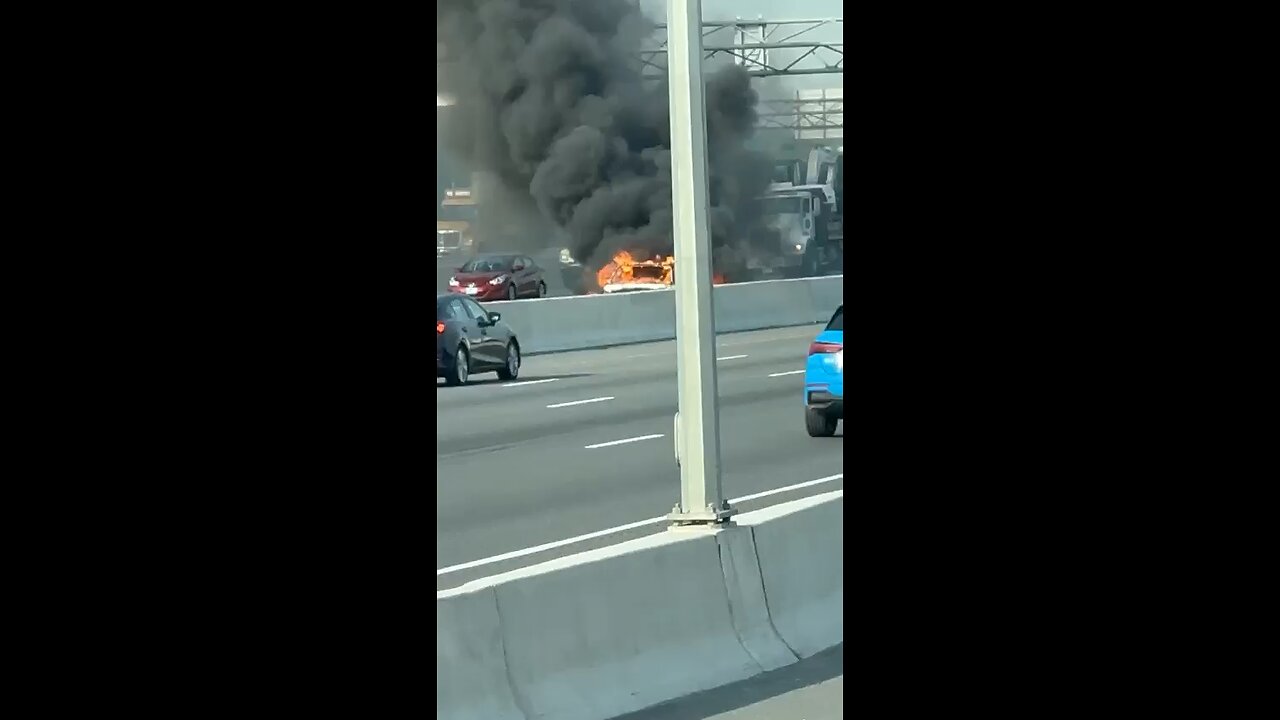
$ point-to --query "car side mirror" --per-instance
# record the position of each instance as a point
(494, 318)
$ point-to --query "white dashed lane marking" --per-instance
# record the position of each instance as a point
(732, 357)
(611, 443)
(530, 382)
(582, 402)
(789, 372)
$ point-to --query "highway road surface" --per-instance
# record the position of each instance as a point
(577, 453)
(812, 689)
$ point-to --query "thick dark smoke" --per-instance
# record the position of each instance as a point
(551, 102)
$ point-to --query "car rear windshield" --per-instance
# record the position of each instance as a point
(448, 310)
(486, 265)
(837, 320)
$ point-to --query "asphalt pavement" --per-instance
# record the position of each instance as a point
(581, 444)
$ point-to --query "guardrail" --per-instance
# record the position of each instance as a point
(594, 321)
(614, 630)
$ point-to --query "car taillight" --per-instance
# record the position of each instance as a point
(439, 328)
(825, 347)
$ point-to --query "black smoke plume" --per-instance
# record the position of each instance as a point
(552, 103)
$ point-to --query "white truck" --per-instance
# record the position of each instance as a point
(802, 217)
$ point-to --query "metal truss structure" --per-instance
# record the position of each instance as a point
(766, 48)
(810, 115)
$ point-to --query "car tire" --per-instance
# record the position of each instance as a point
(511, 292)
(461, 369)
(511, 370)
(819, 423)
(542, 289)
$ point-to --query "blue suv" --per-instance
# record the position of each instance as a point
(824, 379)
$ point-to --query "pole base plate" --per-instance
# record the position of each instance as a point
(711, 515)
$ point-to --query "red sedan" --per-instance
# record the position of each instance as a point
(499, 277)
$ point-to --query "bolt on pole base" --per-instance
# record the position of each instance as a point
(710, 516)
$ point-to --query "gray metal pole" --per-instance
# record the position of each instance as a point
(698, 422)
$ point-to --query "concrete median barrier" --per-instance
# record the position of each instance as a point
(577, 323)
(595, 321)
(825, 298)
(747, 603)
(637, 624)
(618, 629)
(769, 303)
(471, 674)
(801, 550)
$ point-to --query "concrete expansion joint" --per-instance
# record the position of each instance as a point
(764, 590)
(728, 577)
(522, 703)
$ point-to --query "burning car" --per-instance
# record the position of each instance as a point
(626, 274)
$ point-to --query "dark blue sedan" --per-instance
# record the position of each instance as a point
(470, 340)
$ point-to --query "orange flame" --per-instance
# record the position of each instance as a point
(624, 268)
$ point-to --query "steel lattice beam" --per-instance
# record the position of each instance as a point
(816, 57)
(804, 57)
(810, 113)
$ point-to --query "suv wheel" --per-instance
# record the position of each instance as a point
(819, 423)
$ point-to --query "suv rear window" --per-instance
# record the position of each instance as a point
(837, 320)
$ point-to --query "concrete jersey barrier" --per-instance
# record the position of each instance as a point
(617, 629)
(748, 605)
(596, 640)
(800, 546)
(595, 321)
(472, 684)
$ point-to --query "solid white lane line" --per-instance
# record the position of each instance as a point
(548, 546)
(789, 372)
(732, 357)
(582, 402)
(621, 528)
(789, 488)
(530, 382)
(621, 442)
